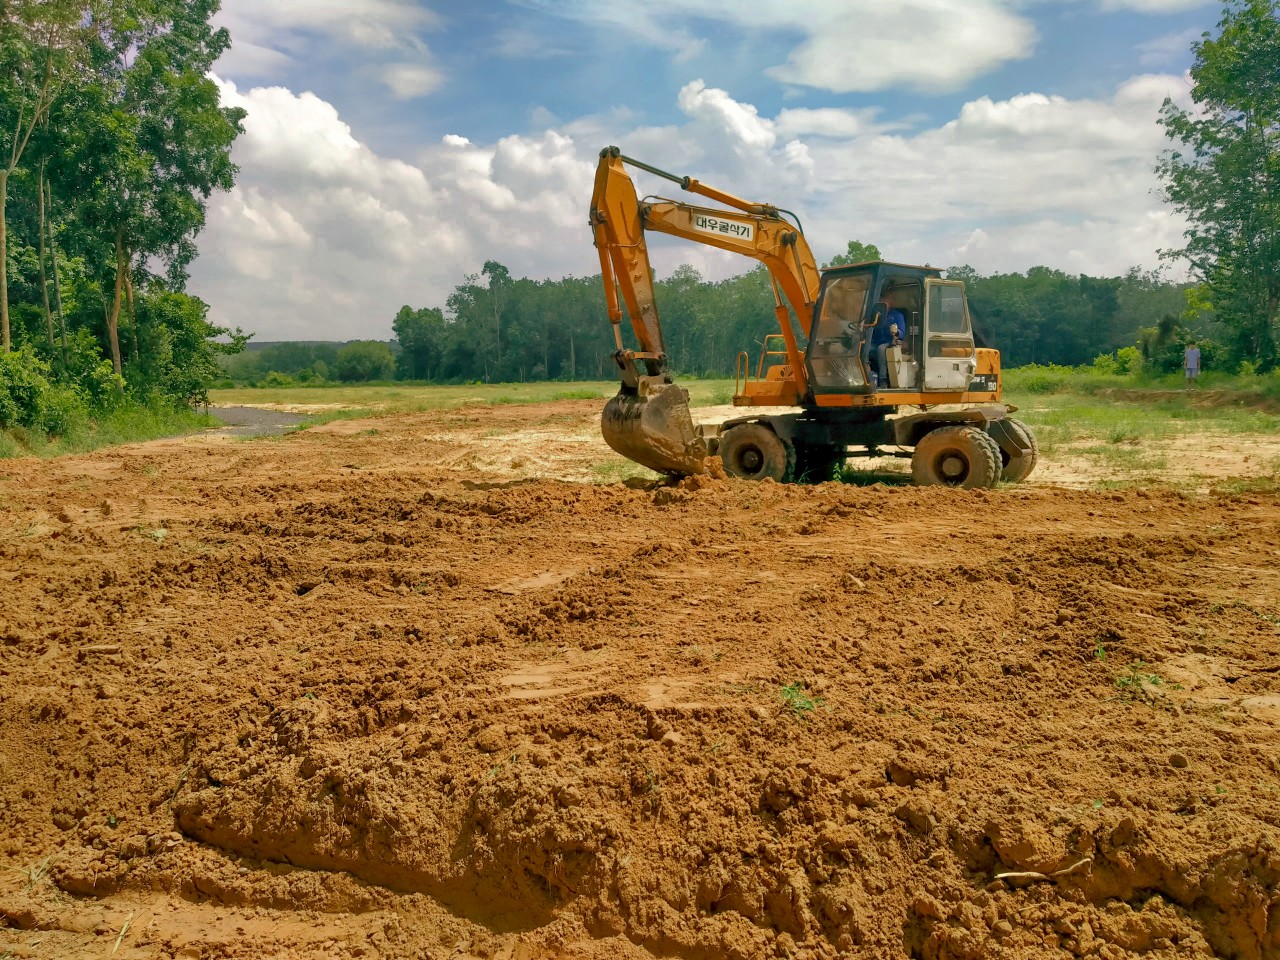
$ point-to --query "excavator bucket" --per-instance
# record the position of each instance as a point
(655, 430)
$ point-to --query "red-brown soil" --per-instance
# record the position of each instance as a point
(380, 690)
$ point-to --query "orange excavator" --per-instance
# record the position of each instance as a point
(859, 346)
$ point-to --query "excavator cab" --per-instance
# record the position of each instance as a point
(881, 328)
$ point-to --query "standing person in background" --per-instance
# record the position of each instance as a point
(1191, 361)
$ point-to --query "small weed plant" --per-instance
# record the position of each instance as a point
(799, 701)
(1139, 680)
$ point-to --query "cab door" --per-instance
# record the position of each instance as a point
(950, 357)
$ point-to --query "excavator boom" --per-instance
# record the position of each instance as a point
(649, 420)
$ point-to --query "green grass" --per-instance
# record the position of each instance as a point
(131, 424)
(375, 399)
(1072, 418)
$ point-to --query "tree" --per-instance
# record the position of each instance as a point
(172, 144)
(181, 347)
(421, 334)
(856, 252)
(365, 360)
(35, 41)
(1225, 174)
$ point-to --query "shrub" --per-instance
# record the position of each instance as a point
(1038, 378)
(1106, 364)
(29, 397)
(1129, 361)
(365, 360)
(277, 379)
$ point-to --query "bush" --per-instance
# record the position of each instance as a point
(1129, 361)
(277, 379)
(1038, 378)
(94, 376)
(365, 360)
(29, 397)
(1125, 362)
(1106, 364)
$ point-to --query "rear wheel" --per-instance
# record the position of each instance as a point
(753, 452)
(1016, 465)
(961, 456)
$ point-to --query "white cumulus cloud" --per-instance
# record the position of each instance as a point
(324, 238)
(842, 45)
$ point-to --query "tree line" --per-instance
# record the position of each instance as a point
(112, 140)
(499, 328)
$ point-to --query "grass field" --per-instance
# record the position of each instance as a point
(397, 398)
(132, 424)
(1072, 413)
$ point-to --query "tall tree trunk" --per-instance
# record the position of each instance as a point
(44, 280)
(57, 286)
(113, 318)
(21, 136)
(4, 262)
(133, 314)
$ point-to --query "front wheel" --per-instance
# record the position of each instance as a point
(752, 451)
(961, 456)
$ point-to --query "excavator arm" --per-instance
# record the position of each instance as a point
(649, 420)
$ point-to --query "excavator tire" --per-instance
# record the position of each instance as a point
(1017, 466)
(817, 464)
(959, 456)
(752, 451)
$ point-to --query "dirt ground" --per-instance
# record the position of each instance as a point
(432, 686)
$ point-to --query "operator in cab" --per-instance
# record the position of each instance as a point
(891, 327)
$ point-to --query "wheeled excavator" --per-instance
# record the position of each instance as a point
(857, 384)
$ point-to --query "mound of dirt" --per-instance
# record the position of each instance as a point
(372, 695)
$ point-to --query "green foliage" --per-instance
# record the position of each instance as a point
(30, 398)
(1224, 175)
(114, 139)
(1121, 363)
(303, 362)
(365, 360)
(128, 422)
(1040, 378)
(856, 252)
(421, 334)
(1049, 317)
(798, 701)
(1138, 680)
(178, 346)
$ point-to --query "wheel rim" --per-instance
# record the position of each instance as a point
(751, 460)
(953, 468)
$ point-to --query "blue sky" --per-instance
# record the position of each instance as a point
(392, 147)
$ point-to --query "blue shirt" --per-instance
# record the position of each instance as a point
(882, 334)
(1193, 359)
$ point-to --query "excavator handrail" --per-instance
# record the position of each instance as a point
(766, 352)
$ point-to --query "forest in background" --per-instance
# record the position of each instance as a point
(496, 328)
